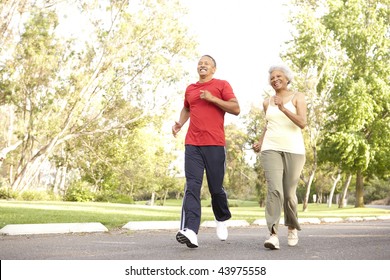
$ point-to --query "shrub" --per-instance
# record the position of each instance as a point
(7, 193)
(109, 196)
(376, 189)
(79, 192)
(125, 199)
(34, 195)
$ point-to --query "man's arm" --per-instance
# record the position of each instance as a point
(184, 116)
(231, 106)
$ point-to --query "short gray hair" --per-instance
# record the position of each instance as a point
(285, 69)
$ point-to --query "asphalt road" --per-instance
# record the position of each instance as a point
(368, 240)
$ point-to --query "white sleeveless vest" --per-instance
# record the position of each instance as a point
(282, 134)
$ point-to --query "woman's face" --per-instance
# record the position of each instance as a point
(278, 80)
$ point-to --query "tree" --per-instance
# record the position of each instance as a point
(343, 197)
(315, 57)
(358, 135)
(336, 180)
(347, 42)
(240, 177)
(254, 123)
(11, 16)
(66, 88)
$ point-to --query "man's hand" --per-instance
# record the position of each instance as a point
(206, 95)
(176, 128)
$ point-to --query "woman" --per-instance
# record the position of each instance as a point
(282, 154)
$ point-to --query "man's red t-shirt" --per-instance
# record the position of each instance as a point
(206, 119)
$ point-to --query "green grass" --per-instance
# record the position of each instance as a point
(116, 215)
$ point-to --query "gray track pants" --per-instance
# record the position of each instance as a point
(282, 172)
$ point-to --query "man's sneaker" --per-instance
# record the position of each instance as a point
(272, 243)
(222, 231)
(187, 237)
(292, 238)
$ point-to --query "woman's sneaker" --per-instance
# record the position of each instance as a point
(292, 238)
(272, 243)
(187, 237)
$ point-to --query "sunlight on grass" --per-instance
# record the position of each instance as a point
(116, 215)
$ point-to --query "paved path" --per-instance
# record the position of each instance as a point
(366, 240)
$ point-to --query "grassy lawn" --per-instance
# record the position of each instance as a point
(116, 215)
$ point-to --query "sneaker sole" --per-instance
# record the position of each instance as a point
(293, 244)
(271, 246)
(181, 238)
(222, 238)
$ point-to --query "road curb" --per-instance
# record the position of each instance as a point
(27, 229)
(53, 228)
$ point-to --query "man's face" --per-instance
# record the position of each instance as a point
(206, 67)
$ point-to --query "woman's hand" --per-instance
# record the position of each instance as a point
(256, 147)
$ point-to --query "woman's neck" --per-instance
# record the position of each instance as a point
(283, 93)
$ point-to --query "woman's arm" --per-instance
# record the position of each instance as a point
(299, 118)
(257, 146)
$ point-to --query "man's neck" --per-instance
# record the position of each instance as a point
(205, 79)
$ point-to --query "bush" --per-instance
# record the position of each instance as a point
(125, 199)
(79, 192)
(34, 195)
(376, 189)
(7, 193)
(109, 196)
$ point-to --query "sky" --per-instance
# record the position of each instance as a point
(245, 37)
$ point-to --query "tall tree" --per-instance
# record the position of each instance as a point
(348, 43)
(254, 123)
(240, 178)
(11, 18)
(66, 88)
(315, 57)
(359, 132)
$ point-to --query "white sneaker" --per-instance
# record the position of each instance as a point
(187, 237)
(272, 243)
(222, 231)
(292, 238)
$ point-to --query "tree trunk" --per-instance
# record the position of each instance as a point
(59, 182)
(320, 198)
(28, 174)
(308, 186)
(6, 150)
(30, 170)
(344, 192)
(359, 189)
(311, 178)
(152, 199)
(336, 180)
(165, 197)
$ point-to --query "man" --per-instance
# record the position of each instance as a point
(205, 104)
